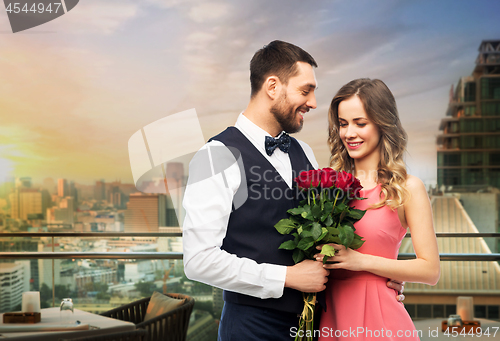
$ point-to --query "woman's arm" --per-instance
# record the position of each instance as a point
(424, 269)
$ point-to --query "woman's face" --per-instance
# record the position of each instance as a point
(359, 134)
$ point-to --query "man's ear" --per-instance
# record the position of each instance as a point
(272, 87)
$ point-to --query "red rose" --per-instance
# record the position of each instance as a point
(344, 180)
(308, 179)
(356, 187)
(348, 183)
(328, 177)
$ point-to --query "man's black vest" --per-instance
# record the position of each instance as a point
(250, 232)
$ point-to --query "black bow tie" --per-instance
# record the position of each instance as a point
(282, 143)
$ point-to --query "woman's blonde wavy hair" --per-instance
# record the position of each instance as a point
(380, 107)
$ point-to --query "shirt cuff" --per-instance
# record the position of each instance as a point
(274, 276)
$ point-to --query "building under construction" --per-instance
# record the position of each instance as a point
(469, 147)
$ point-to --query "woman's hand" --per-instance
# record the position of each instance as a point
(348, 259)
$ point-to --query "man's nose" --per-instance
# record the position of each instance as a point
(311, 103)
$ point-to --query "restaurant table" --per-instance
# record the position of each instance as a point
(431, 330)
(92, 325)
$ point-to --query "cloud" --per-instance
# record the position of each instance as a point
(209, 12)
(100, 16)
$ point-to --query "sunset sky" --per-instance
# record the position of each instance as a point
(74, 90)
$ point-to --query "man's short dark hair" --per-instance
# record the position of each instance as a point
(277, 58)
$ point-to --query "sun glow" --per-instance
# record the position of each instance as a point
(6, 169)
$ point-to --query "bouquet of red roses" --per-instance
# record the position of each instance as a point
(323, 216)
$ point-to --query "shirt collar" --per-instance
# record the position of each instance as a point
(252, 131)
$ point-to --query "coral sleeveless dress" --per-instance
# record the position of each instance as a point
(359, 304)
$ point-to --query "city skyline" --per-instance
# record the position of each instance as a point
(77, 88)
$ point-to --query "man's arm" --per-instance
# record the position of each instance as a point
(208, 202)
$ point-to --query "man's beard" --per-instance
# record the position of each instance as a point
(286, 116)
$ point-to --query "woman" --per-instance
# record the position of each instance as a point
(366, 138)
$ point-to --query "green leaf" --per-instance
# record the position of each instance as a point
(316, 211)
(329, 220)
(334, 231)
(308, 216)
(328, 207)
(327, 210)
(288, 245)
(285, 226)
(324, 232)
(355, 213)
(306, 234)
(339, 208)
(298, 255)
(296, 211)
(346, 235)
(328, 251)
(334, 239)
(305, 243)
(316, 231)
(357, 243)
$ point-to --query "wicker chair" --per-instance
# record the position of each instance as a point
(136, 335)
(171, 326)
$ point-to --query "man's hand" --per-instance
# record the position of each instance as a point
(399, 287)
(307, 276)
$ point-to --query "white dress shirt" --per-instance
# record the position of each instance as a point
(208, 204)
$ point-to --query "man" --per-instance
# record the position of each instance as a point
(232, 243)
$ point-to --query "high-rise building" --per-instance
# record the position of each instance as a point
(116, 196)
(45, 266)
(23, 245)
(24, 182)
(469, 147)
(145, 212)
(100, 190)
(25, 201)
(83, 278)
(73, 192)
(62, 188)
(14, 278)
(49, 185)
(176, 180)
(64, 213)
(46, 200)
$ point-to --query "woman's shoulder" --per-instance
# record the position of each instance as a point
(414, 185)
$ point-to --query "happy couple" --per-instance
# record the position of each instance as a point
(232, 244)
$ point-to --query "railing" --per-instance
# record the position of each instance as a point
(178, 255)
(91, 255)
